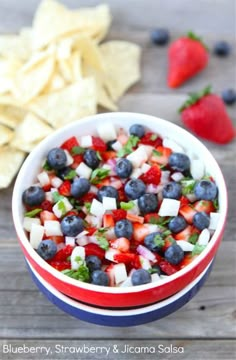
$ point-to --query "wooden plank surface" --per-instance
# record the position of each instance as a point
(205, 327)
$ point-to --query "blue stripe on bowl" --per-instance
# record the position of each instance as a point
(121, 318)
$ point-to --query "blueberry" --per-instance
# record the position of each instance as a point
(137, 130)
(229, 96)
(99, 277)
(72, 225)
(201, 220)
(177, 224)
(123, 168)
(110, 143)
(147, 203)
(33, 196)
(174, 254)
(154, 241)
(80, 187)
(56, 158)
(140, 276)
(205, 190)
(47, 249)
(107, 191)
(179, 162)
(172, 190)
(124, 228)
(91, 158)
(160, 36)
(135, 188)
(222, 48)
(62, 173)
(93, 262)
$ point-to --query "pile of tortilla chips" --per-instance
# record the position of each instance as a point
(57, 72)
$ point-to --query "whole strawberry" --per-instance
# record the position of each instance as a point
(205, 115)
(187, 56)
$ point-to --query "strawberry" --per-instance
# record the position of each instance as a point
(204, 205)
(152, 176)
(77, 160)
(151, 139)
(64, 188)
(110, 272)
(188, 212)
(187, 56)
(206, 116)
(121, 244)
(122, 195)
(119, 214)
(107, 155)
(140, 232)
(135, 218)
(60, 265)
(151, 218)
(63, 254)
(70, 143)
(56, 238)
(168, 268)
(98, 144)
(186, 260)
(125, 258)
(108, 221)
(186, 234)
(88, 197)
(169, 240)
(46, 205)
(94, 249)
(183, 200)
(47, 215)
(161, 155)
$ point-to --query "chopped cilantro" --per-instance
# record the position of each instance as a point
(166, 233)
(46, 166)
(61, 206)
(158, 241)
(56, 196)
(33, 213)
(102, 230)
(161, 221)
(157, 153)
(75, 203)
(198, 249)
(187, 186)
(99, 155)
(103, 242)
(127, 205)
(88, 206)
(82, 273)
(77, 150)
(216, 204)
(128, 147)
(153, 137)
(98, 175)
(193, 238)
(71, 175)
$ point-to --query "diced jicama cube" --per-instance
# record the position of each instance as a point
(43, 178)
(62, 207)
(36, 235)
(70, 240)
(197, 169)
(117, 146)
(52, 228)
(56, 182)
(136, 173)
(145, 167)
(155, 277)
(120, 273)
(86, 141)
(94, 221)
(204, 237)
(69, 158)
(165, 175)
(145, 263)
(126, 283)
(82, 241)
(77, 257)
(97, 208)
(48, 196)
(148, 149)
(83, 170)
(107, 132)
(110, 253)
(214, 220)
(169, 207)
(185, 245)
(138, 157)
(171, 144)
(28, 222)
(177, 176)
(109, 203)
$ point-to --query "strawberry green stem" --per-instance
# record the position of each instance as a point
(193, 36)
(194, 97)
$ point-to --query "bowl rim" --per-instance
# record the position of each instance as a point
(119, 312)
(138, 118)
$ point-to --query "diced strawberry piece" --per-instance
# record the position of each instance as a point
(88, 197)
(204, 205)
(151, 139)
(110, 272)
(188, 212)
(70, 143)
(148, 218)
(161, 155)
(168, 268)
(152, 176)
(60, 265)
(122, 195)
(94, 249)
(119, 214)
(126, 258)
(121, 244)
(64, 188)
(122, 138)
(47, 215)
(77, 160)
(186, 233)
(47, 187)
(98, 144)
(108, 221)
(91, 231)
(159, 258)
(103, 182)
(183, 201)
(57, 239)
(169, 240)
(107, 155)
(72, 212)
(135, 218)
(46, 205)
(63, 254)
(140, 232)
(186, 260)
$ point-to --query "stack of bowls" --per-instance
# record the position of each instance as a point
(118, 306)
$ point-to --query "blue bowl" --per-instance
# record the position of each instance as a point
(122, 318)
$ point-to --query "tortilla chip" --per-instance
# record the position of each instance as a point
(10, 162)
(8, 70)
(64, 66)
(10, 115)
(122, 63)
(5, 135)
(56, 83)
(53, 20)
(66, 105)
(16, 46)
(64, 48)
(30, 130)
(76, 64)
(89, 52)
